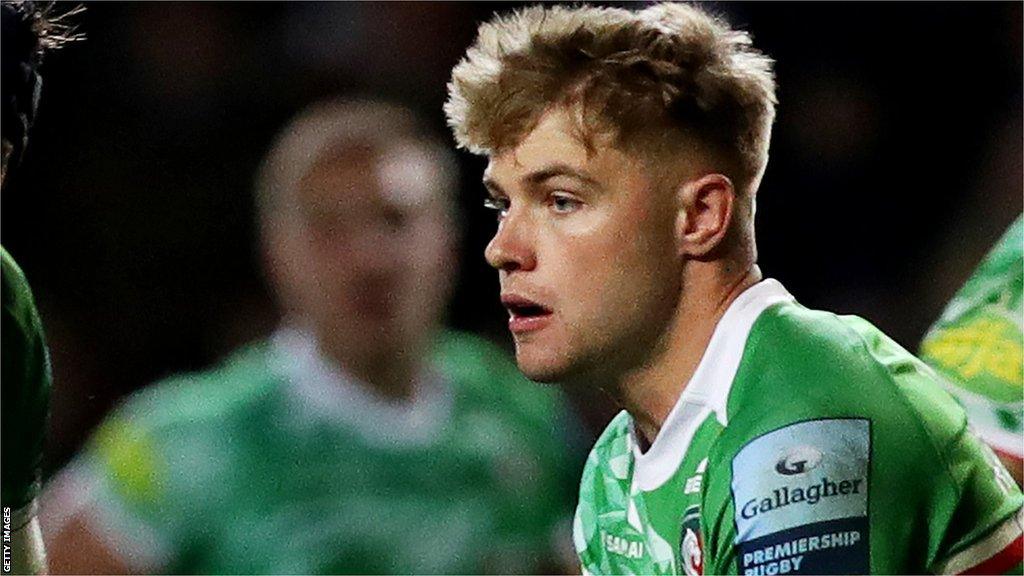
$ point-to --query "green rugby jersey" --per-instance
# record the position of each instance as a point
(26, 393)
(978, 345)
(275, 463)
(805, 443)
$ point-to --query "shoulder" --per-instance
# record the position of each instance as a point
(828, 414)
(135, 445)
(26, 380)
(25, 358)
(13, 277)
(236, 383)
(803, 364)
(19, 305)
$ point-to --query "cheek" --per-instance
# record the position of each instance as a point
(621, 276)
(300, 259)
(429, 264)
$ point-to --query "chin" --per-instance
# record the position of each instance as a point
(544, 369)
(568, 364)
(541, 376)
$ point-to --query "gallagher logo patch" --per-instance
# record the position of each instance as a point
(800, 499)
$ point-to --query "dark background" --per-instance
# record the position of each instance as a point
(896, 162)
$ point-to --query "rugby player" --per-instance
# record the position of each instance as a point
(28, 32)
(625, 152)
(360, 437)
(978, 346)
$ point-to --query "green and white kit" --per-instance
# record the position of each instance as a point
(276, 463)
(805, 443)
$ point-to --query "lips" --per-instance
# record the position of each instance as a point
(524, 314)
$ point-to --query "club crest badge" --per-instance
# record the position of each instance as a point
(691, 546)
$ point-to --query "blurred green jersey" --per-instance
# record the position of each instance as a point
(275, 462)
(805, 443)
(978, 345)
(26, 393)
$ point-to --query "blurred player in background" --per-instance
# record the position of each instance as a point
(360, 437)
(978, 346)
(758, 437)
(28, 31)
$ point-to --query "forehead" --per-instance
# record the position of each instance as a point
(401, 174)
(553, 138)
(557, 141)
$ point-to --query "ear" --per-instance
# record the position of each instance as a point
(705, 212)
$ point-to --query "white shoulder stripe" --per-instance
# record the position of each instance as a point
(713, 379)
(708, 389)
(986, 548)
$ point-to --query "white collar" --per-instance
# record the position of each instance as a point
(325, 391)
(708, 389)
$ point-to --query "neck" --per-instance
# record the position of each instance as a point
(390, 375)
(650, 391)
(389, 379)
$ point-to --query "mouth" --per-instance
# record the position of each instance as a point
(525, 315)
(373, 302)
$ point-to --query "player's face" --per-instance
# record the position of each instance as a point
(365, 247)
(585, 253)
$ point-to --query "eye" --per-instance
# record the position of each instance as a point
(499, 205)
(563, 203)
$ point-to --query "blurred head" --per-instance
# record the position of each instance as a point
(625, 152)
(356, 213)
(28, 31)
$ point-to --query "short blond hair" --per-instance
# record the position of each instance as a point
(655, 79)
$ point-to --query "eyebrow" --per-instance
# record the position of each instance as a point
(540, 176)
(556, 170)
(494, 190)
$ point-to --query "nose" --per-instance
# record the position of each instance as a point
(377, 251)
(510, 249)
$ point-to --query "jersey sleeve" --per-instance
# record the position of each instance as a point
(856, 462)
(131, 499)
(156, 469)
(26, 385)
(983, 537)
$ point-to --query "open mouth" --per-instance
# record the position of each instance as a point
(525, 315)
(527, 311)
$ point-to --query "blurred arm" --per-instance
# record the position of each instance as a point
(76, 540)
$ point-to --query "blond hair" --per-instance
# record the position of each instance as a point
(656, 79)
